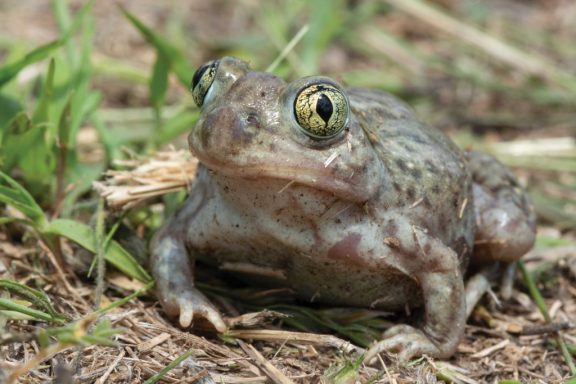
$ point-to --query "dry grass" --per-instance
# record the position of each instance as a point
(506, 342)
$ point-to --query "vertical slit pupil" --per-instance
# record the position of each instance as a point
(324, 108)
(198, 75)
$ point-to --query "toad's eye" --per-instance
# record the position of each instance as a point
(321, 110)
(202, 81)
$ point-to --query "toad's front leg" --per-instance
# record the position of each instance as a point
(436, 269)
(173, 269)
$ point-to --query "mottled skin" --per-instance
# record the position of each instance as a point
(390, 222)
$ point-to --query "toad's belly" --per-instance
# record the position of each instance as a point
(332, 283)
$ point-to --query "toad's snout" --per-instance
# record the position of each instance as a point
(224, 130)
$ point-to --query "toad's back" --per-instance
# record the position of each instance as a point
(426, 175)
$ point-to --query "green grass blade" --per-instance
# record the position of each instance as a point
(346, 373)
(35, 150)
(30, 141)
(64, 21)
(42, 110)
(16, 129)
(84, 236)
(10, 305)
(8, 72)
(170, 366)
(8, 220)
(77, 22)
(176, 60)
(175, 126)
(36, 297)
(14, 194)
(326, 21)
(124, 300)
(19, 124)
(289, 47)
(64, 125)
(159, 81)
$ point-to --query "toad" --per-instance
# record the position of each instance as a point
(341, 194)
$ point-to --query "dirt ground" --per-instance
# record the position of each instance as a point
(503, 341)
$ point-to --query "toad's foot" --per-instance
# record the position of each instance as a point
(408, 342)
(436, 268)
(505, 219)
(189, 305)
(173, 270)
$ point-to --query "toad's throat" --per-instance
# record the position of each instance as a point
(321, 179)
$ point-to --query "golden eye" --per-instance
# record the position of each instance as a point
(202, 80)
(321, 110)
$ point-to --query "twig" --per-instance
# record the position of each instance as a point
(42, 355)
(298, 337)
(488, 351)
(104, 377)
(100, 253)
(60, 273)
(547, 328)
(271, 371)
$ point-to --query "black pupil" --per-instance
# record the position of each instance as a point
(198, 75)
(324, 108)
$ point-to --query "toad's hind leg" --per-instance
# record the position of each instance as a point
(505, 220)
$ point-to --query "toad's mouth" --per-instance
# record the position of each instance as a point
(318, 178)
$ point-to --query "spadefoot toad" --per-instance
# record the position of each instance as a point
(341, 194)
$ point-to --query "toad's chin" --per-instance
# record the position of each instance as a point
(322, 179)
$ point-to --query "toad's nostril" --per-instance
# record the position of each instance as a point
(252, 120)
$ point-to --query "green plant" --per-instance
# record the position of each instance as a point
(50, 231)
(42, 143)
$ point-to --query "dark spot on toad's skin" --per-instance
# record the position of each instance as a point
(456, 201)
(408, 147)
(435, 189)
(397, 186)
(442, 219)
(346, 250)
(410, 193)
(172, 285)
(426, 202)
(402, 165)
(462, 249)
(430, 166)
(391, 228)
(416, 173)
(433, 264)
(262, 94)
